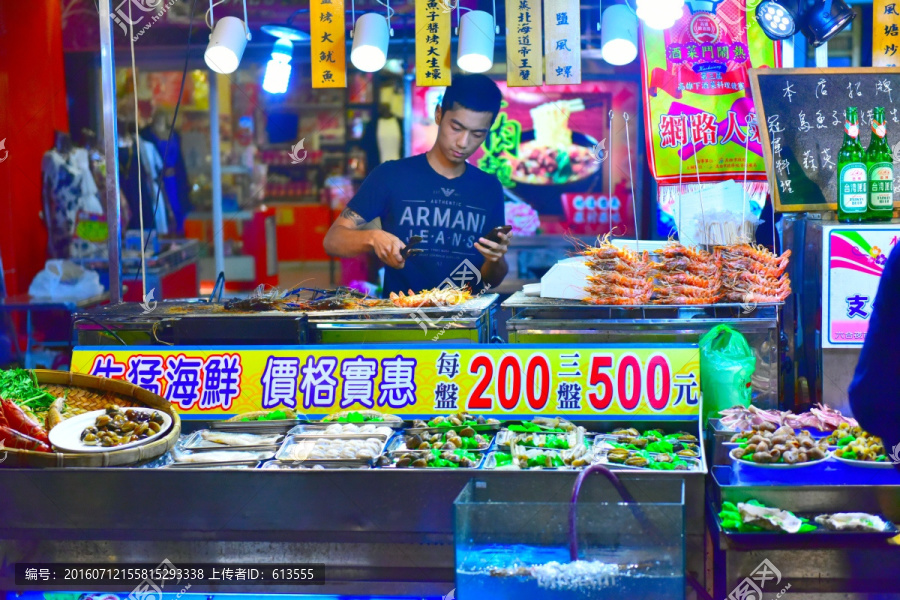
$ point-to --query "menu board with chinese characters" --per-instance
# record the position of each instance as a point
(801, 117)
(413, 380)
(562, 41)
(885, 33)
(328, 44)
(524, 43)
(432, 43)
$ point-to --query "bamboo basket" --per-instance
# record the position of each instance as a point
(88, 393)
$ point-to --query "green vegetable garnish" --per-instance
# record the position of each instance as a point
(21, 386)
(355, 417)
(849, 439)
(529, 427)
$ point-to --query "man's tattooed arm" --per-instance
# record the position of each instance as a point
(353, 216)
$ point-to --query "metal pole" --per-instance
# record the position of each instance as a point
(407, 114)
(216, 167)
(110, 144)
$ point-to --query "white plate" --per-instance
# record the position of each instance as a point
(751, 464)
(865, 464)
(66, 436)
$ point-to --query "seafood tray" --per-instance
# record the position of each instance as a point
(261, 427)
(822, 535)
(275, 465)
(206, 457)
(540, 440)
(561, 460)
(342, 430)
(458, 422)
(399, 443)
(340, 451)
(395, 460)
(631, 459)
(368, 417)
(541, 425)
(205, 439)
(222, 465)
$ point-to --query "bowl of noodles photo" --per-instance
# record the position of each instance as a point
(552, 159)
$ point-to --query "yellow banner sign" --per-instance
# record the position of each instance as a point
(562, 41)
(885, 33)
(432, 43)
(524, 43)
(585, 382)
(328, 43)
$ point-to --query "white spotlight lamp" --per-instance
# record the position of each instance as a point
(618, 35)
(371, 36)
(278, 69)
(476, 42)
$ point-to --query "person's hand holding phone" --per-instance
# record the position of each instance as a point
(495, 244)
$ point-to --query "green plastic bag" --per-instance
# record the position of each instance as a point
(727, 364)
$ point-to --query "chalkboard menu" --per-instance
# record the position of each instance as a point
(801, 118)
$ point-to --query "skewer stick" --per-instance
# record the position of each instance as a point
(609, 159)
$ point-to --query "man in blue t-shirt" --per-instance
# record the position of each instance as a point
(437, 196)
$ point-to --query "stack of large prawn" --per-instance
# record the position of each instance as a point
(618, 275)
(753, 274)
(686, 276)
(430, 298)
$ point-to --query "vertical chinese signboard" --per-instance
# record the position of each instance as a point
(852, 266)
(586, 382)
(562, 41)
(328, 44)
(524, 43)
(885, 33)
(698, 104)
(432, 43)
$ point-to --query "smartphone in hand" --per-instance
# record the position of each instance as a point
(494, 234)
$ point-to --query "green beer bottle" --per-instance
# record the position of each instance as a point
(852, 188)
(880, 169)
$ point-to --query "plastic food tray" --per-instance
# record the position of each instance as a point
(490, 462)
(305, 446)
(477, 428)
(504, 437)
(275, 465)
(222, 465)
(257, 456)
(318, 431)
(600, 453)
(395, 456)
(261, 427)
(195, 442)
(821, 535)
(398, 444)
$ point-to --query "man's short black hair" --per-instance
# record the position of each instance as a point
(475, 92)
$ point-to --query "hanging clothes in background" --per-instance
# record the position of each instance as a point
(175, 178)
(69, 188)
(151, 162)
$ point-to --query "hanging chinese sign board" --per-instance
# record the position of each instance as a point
(524, 43)
(885, 33)
(801, 114)
(562, 41)
(697, 100)
(432, 43)
(852, 264)
(579, 381)
(328, 43)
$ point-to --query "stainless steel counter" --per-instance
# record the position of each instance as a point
(388, 531)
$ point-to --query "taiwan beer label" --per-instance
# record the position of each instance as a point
(881, 185)
(853, 189)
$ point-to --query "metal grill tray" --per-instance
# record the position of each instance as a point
(474, 307)
(548, 307)
(195, 442)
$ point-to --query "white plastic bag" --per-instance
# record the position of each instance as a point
(65, 279)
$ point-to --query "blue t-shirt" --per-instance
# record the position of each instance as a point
(448, 214)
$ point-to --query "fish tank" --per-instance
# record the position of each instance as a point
(514, 540)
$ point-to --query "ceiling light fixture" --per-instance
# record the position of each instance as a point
(371, 36)
(227, 41)
(618, 35)
(476, 42)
